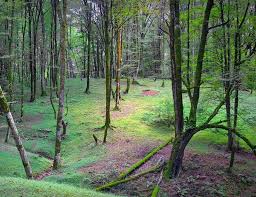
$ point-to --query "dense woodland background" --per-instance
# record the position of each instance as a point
(130, 97)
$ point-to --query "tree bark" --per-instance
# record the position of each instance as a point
(199, 66)
(108, 69)
(87, 91)
(175, 50)
(175, 162)
(62, 14)
(118, 68)
(43, 53)
(24, 26)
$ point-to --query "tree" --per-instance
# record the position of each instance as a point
(184, 134)
(118, 68)
(62, 14)
(89, 21)
(43, 59)
(107, 68)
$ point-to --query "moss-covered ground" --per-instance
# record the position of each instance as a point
(142, 119)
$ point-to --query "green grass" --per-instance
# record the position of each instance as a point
(11, 164)
(86, 112)
(16, 187)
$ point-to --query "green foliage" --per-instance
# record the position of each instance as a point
(161, 114)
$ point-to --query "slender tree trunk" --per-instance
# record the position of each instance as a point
(237, 60)
(175, 50)
(30, 16)
(43, 55)
(118, 68)
(10, 61)
(87, 91)
(23, 64)
(226, 70)
(10, 47)
(199, 66)
(98, 58)
(188, 50)
(84, 54)
(62, 14)
(108, 69)
(52, 61)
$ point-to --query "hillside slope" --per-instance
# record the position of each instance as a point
(17, 187)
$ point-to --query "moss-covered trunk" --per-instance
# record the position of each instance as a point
(175, 162)
(63, 22)
(199, 66)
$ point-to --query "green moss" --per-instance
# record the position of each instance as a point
(3, 102)
(16, 187)
(86, 112)
(11, 164)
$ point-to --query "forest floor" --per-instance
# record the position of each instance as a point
(144, 122)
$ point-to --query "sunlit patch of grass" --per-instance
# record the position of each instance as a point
(11, 164)
(14, 187)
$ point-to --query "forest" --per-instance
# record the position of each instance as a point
(127, 98)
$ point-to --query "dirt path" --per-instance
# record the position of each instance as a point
(150, 93)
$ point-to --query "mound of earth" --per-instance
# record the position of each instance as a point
(150, 92)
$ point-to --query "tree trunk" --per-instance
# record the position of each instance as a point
(63, 32)
(226, 70)
(199, 66)
(98, 58)
(175, 162)
(43, 55)
(175, 50)
(108, 69)
(23, 64)
(10, 47)
(118, 67)
(87, 91)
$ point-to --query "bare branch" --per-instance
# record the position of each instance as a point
(219, 25)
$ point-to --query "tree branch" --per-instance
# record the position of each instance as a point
(219, 25)
(245, 13)
(216, 110)
(219, 126)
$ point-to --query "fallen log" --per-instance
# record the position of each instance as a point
(144, 160)
(118, 182)
(122, 176)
